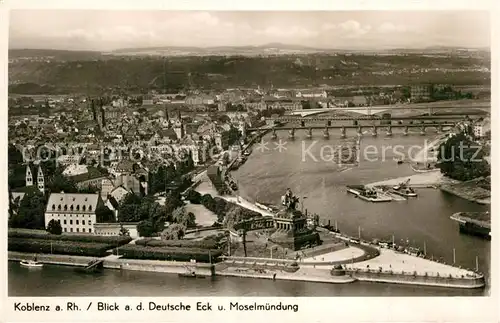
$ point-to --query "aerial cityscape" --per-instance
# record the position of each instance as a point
(249, 153)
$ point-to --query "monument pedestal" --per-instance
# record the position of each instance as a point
(292, 231)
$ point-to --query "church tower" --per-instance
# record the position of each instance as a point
(29, 176)
(40, 180)
(179, 127)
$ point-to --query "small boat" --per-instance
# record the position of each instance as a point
(404, 189)
(31, 264)
(190, 275)
(407, 192)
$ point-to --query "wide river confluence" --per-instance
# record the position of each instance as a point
(265, 177)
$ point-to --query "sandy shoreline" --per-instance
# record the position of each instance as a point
(429, 179)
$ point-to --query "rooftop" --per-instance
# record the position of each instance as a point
(74, 202)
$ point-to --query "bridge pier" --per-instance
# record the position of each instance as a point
(342, 133)
(326, 134)
(389, 131)
(405, 132)
(422, 131)
(360, 131)
(374, 131)
(291, 134)
(309, 133)
(274, 135)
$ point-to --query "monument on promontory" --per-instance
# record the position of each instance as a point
(292, 231)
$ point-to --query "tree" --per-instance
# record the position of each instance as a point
(460, 159)
(131, 198)
(128, 213)
(54, 227)
(123, 231)
(17, 176)
(149, 209)
(172, 202)
(208, 202)
(13, 204)
(104, 214)
(14, 156)
(173, 232)
(31, 212)
(231, 136)
(186, 219)
(223, 118)
(193, 197)
(60, 183)
(145, 228)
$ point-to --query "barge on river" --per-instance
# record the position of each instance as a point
(474, 223)
(368, 194)
(404, 189)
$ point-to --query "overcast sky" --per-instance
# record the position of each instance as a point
(107, 30)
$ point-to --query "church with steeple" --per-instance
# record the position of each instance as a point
(179, 128)
(40, 178)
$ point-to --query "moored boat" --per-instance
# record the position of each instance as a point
(368, 194)
(404, 189)
(31, 264)
(190, 275)
(408, 192)
(355, 189)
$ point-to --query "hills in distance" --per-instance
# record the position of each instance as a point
(267, 49)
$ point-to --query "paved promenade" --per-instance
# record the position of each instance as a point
(397, 262)
(341, 255)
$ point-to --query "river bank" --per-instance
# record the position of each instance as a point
(388, 266)
(475, 190)
(428, 179)
(114, 262)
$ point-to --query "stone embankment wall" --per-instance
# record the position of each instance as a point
(52, 259)
(117, 263)
(411, 279)
(173, 267)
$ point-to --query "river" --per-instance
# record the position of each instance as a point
(265, 177)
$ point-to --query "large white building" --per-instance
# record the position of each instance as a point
(74, 211)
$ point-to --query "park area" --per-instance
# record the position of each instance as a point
(38, 241)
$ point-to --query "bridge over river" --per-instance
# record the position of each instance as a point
(430, 107)
(439, 127)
